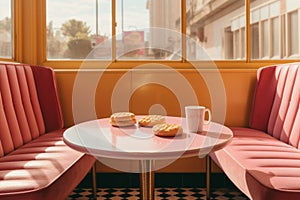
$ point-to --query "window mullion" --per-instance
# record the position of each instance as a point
(270, 38)
(298, 21)
(287, 32)
(183, 30)
(248, 35)
(113, 31)
(17, 40)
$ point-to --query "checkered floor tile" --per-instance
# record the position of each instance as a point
(160, 194)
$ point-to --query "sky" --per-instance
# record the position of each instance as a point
(4, 12)
(135, 14)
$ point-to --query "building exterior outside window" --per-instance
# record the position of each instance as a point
(273, 28)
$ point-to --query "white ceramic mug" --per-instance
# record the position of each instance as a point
(195, 118)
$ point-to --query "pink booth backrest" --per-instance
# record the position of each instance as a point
(275, 108)
(29, 105)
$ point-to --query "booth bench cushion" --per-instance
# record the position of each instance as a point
(263, 160)
(34, 161)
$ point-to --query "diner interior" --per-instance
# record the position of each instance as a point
(64, 63)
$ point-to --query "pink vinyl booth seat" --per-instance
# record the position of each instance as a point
(263, 160)
(34, 161)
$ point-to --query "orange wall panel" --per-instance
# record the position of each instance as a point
(105, 90)
(144, 92)
(148, 99)
(239, 87)
(65, 81)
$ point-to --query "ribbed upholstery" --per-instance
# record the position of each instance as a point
(263, 160)
(285, 109)
(276, 102)
(21, 115)
(35, 163)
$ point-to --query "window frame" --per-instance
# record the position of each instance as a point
(29, 29)
(114, 42)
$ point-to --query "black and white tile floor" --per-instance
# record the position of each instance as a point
(160, 194)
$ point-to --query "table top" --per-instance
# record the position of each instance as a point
(100, 139)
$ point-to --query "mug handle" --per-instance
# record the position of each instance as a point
(209, 116)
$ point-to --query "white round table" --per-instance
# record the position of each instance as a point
(100, 139)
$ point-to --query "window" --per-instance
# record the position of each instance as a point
(6, 29)
(208, 23)
(79, 29)
(145, 29)
(268, 40)
(148, 29)
(152, 30)
(217, 27)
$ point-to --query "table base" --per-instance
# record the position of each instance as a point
(147, 179)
